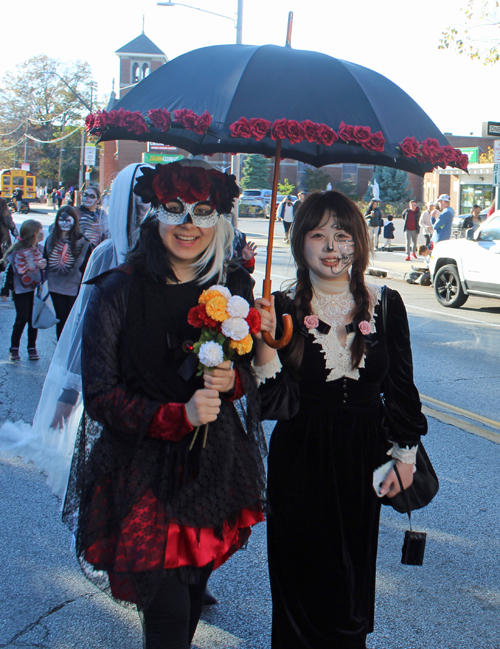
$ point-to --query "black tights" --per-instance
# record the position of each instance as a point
(172, 617)
(24, 310)
(62, 306)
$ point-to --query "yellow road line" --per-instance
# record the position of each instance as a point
(460, 411)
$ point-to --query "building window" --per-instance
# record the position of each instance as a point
(135, 73)
(350, 173)
(145, 70)
(481, 195)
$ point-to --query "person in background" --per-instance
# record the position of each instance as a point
(411, 219)
(7, 228)
(427, 218)
(67, 252)
(22, 276)
(91, 218)
(473, 220)
(442, 225)
(285, 213)
(373, 216)
(244, 251)
(388, 232)
(17, 197)
(300, 199)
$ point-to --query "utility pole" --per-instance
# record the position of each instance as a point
(26, 143)
(61, 149)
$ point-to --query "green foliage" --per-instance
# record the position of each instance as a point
(34, 97)
(394, 185)
(348, 188)
(285, 188)
(479, 36)
(255, 173)
(315, 180)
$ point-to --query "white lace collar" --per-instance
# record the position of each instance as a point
(335, 310)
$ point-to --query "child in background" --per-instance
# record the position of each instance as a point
(23, 273)
(388, 232)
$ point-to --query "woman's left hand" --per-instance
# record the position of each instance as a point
(390, 487)
(220, 378)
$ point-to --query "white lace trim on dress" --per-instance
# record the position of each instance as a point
(267, 371)
(335, 311)
(406, 455)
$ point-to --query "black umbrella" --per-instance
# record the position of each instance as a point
(278, 101)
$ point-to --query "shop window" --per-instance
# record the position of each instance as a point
(350, 173)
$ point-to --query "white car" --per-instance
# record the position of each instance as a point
(470, 266)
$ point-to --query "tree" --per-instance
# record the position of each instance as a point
(348, 188)
(479, 37)
(394, 185)
(255, 173)
(39, 100)
(285, 188)
(315, 179)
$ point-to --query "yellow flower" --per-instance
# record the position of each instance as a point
(208, 295)
(242, 346)
(216, 307)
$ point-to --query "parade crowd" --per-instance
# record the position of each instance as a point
(149, 423)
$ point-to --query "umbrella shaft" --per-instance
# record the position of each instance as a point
(272, 218)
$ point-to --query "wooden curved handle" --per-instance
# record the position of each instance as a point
(285, 338)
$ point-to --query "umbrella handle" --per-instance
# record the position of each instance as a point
(287, 323)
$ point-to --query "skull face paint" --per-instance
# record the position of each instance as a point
(329, 250)
(89, 199)
(65, 222)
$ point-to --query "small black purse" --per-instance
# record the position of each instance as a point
(413, 550)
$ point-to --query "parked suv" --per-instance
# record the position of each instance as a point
(253, 201)
(470, 266)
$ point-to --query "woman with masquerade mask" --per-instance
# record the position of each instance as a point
(91, 217)
(158, 507)
(67, 252)
(324, 512)
(50, 440)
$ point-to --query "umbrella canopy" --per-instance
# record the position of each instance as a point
(242, 98)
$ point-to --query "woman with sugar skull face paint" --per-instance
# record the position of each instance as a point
(157, 509)
(67, 252)
(91, 217)
(325, 388)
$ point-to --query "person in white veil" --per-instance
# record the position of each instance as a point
(49, 441)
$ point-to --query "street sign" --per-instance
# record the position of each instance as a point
(493, 129)
(89, 159)
(471, 152)
(496, 174)
(496, 151)
(155, 158)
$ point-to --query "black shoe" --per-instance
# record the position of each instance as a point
(14, 354)
(209, 598)
(33, 354)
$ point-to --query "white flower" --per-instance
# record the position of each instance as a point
(211, 354)
(235, 328)
(238, 307)
(222, 290)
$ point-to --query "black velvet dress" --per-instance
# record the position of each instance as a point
(323, 512)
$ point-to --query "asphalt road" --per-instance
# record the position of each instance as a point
(451, 602)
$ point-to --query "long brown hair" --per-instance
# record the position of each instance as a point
(56, 234)
(27, 236)
(349, 217)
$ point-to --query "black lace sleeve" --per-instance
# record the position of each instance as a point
(107, 397)
(404, 415)
(280, 396)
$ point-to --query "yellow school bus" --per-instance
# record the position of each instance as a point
(12, 179)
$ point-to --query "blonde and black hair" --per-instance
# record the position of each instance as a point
(312, 212)
(27, 236)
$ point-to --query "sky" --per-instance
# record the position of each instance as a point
(397, 38)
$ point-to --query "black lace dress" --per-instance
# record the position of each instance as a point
(143, 502)
(323, 514)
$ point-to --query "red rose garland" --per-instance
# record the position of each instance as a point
(157, 118)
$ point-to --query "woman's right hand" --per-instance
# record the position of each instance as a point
(42, 264)
(63, 411)
(268, 318)
(203, 407)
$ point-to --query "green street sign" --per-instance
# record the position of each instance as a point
(496, 174)
(160, 158)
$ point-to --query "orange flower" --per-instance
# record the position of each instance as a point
(242, 346)
(216, 307)
(208, 295)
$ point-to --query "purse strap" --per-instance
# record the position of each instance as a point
(404, 493)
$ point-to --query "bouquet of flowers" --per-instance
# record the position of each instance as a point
(227, 323)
